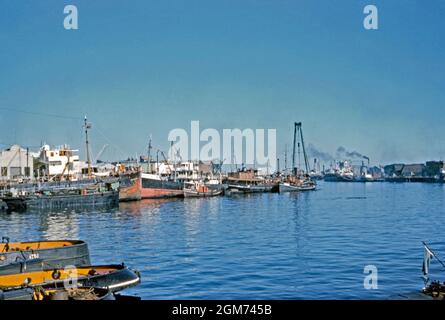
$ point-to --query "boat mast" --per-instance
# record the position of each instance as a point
(285, 158)
(174, 160)
(149, 156)
(88, 126)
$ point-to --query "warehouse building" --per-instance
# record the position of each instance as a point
(16, 163)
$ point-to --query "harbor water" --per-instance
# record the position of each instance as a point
(312, 245)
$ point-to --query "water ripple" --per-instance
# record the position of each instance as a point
(267, 246)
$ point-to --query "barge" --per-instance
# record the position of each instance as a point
(90, 196)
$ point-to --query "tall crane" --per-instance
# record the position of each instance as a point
(298, 135)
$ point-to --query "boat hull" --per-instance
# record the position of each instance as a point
(55, 293)
(196, 194)
(72, 253)
(285, 187)
(239, 188)
(130, 187)
(107, 199)
(112, 277)
(158, 189)
(337, 178)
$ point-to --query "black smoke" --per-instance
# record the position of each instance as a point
(322, 156)
(342, 153)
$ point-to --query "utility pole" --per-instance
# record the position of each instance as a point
(157, 161)
(294, 147)
(88, 126)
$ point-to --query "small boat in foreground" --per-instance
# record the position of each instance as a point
(195, 189)
(42, 294)
(16, 257)
(112, 277)
(433, 289)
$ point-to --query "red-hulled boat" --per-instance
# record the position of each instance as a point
(155, 187)
(130, 186)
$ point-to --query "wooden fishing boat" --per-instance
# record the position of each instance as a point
(16, 257)
(246, 181)
(113, 277)
(195, 189)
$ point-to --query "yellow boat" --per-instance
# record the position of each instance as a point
(18, 257)
(113, 277)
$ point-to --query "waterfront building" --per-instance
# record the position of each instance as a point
(16, 163)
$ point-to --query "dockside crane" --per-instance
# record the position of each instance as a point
(298, 135)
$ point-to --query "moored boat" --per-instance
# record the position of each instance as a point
(90, 196)
(16, 257)
(130, 186)
(195, 189)
(113, 277)
(156, 187)
(57, 293)
(288, 187)
(246, 181)
(292, 184)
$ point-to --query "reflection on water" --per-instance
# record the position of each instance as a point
(311, 245)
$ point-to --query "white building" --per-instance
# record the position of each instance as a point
(16, 163)
(60, 163)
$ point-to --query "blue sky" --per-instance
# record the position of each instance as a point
(145, 67)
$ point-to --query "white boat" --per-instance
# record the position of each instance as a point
(292, 187)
